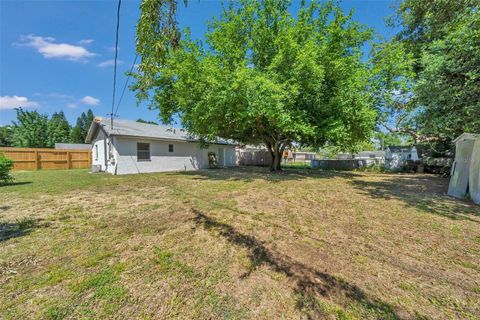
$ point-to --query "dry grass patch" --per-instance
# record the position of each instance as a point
(237, 244)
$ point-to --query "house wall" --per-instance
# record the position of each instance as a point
(98, 150)
(186, 156)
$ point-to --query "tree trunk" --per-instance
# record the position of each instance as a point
(276, 152)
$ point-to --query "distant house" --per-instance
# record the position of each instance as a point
(397, 156)
(304, 156)
(73, 146)
(134, 147)
(465, 173)
(370, 155)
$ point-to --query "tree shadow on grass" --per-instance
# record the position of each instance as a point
(13, 183)
(250, 173)
(20, 228)
(424, 192)
(309, 282)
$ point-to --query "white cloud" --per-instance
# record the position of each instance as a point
(11, 102)
(85, 41)
(91, 101)
(53, 95)
(72, 105)
(109, 63)
(47, 47)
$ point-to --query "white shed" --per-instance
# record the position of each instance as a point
(134, 147)
(465, 174)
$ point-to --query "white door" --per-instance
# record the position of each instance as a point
(221, 157)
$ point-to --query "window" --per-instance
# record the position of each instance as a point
(170, 148)
(96, 152)
(143, 151)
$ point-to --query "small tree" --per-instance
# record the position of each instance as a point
(30, 129)
(264, 76)
(80, 130)
(6, 136)
(5, 167)
(58, 129)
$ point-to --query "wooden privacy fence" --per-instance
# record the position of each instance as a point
(39, 158)
(253, 157)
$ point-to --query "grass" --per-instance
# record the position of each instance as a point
(237, 244)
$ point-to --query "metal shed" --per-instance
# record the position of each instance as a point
(466, 167)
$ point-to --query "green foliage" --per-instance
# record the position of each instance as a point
(80, 130)
(264, 76)
(385, 139)
(440, 40)
(58, 129)
(30, 129)
(5, 167)
(6, 136)
(392, 85)
(448, 87)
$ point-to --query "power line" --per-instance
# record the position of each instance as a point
(115, 65)
(126, 83)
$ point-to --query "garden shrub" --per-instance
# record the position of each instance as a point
(5, 167)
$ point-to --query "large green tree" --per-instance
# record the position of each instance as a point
(30, 129)
(58, 129)
(263, 76)
(440, 40)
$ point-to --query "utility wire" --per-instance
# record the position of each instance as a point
(115, 65)
(126, 83)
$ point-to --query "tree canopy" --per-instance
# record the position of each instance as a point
(30, 129)
(438, 70)
(58, 129)
(263, 76)
(80, 130)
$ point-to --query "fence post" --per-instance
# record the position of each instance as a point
(68, 160)
(36, 160)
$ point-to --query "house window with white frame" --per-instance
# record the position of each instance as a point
(143, 151)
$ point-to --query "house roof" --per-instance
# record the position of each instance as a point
(377, 153)
(129, 128)
(72, 146)
(400, 148)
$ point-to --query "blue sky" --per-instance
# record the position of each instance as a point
(57, 55)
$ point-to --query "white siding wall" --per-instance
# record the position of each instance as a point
(98, 150)
(186, 156)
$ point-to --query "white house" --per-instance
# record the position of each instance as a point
(133, 147)
(397, 156)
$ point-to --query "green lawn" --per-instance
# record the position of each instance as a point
(237, 244)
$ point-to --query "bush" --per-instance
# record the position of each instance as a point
(5, 167)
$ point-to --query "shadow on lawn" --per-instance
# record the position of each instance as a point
(425, 192)
(309, 283)
(20, 228)
(249, 174)
(13, 183)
